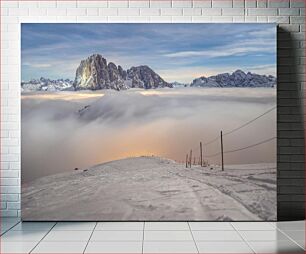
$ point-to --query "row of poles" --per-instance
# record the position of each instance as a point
(189, 156)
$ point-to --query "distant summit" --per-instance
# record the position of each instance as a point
(178, 84)
(144, 77)
(236, 79)
(95, 73)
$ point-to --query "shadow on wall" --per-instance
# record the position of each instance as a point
(290, 130)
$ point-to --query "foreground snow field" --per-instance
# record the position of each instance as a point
(153, 188)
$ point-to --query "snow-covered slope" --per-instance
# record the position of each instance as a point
(44, 84)
(153, 188)
(236, 79)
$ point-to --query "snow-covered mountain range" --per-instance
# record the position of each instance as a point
(178, 84)
(44, 84)
(236, 79)
(94, 73)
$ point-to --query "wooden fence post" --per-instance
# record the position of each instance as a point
(222, 162)
(201, 154)
(187, 160)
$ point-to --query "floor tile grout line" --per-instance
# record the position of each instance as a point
(42, 238)
(291, 230)
(233, 227)
(195, 243)
(290, 238)
(273, 224)
(244, 240)
(90, 237)
(252, 229)
(143, 233)
(160, 230)
(158, 240)
(10, 228)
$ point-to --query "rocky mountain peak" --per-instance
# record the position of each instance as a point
(239, 72)
(237, 79)
(144, 77)
(95, 73)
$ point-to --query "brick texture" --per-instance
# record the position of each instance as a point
(289, 14)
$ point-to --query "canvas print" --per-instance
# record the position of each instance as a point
(148, 122)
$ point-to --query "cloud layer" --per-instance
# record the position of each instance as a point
(164, 122)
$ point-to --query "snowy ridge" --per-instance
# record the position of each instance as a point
(44, 84)
(154, 188)
(178, 84)
(236, 79)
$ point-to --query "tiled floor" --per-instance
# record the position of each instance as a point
(152, 237)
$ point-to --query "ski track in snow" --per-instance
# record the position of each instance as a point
(153, 188)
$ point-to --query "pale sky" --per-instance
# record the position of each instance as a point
(177, 52)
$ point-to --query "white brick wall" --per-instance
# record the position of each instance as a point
(289, 13)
